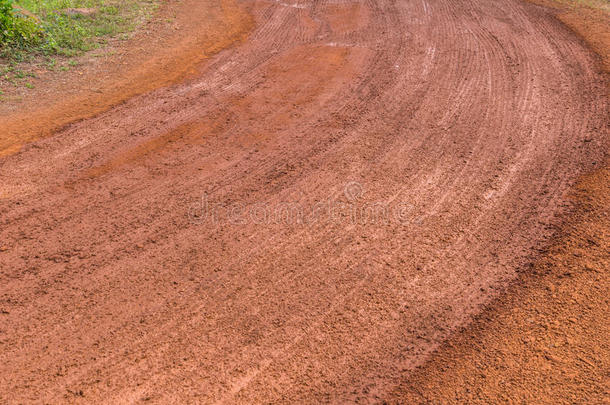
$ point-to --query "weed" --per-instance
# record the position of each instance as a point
(18, 30)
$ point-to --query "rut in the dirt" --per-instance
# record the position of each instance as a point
(154, 251)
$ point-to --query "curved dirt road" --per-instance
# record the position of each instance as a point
(304, 220)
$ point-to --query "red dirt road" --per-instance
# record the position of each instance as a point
(429, 145)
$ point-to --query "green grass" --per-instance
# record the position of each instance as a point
(69, 35)
(45, 37)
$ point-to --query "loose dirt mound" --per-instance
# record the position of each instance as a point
(166, 249)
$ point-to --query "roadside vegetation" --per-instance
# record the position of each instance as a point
(50, 33)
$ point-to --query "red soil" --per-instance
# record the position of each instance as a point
(473, 118)
(545, 340)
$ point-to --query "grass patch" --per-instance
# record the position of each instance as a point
(39, 35)
(70, 27)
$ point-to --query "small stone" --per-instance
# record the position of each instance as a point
(552, 358)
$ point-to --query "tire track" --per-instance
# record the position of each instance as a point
(455, 108)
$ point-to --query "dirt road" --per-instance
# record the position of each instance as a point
(307, 218)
